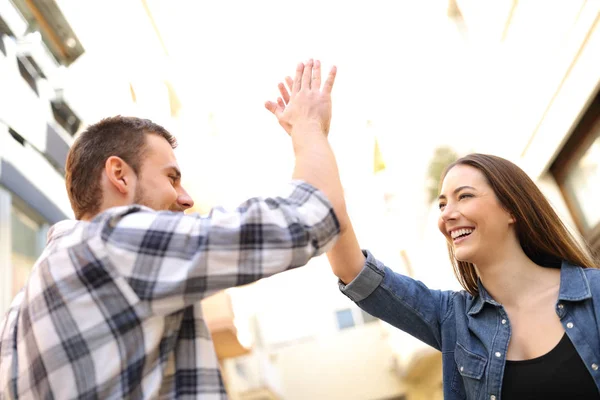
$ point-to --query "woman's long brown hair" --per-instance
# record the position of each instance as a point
(542, 235)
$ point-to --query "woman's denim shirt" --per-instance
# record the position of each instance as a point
(473, 332)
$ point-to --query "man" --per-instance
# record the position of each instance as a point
(111, 308)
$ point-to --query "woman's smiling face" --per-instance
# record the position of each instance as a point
(471, 217)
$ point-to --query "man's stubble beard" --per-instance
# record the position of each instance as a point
(141, 198)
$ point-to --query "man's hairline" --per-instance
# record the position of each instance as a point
(146, 149)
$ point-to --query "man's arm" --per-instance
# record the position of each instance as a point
(305, 114)
(315, 161)
(172, 260)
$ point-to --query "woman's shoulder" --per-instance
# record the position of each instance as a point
(587, 270)
(592, 273)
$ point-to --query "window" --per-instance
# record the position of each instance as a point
(2, 46)
(577, 172)
(367, 318)
(28, 235)
(30, 72)
(240, 368)
(65, 116)
(4, 29)
(583, 185)
(345, 319)
(351, 317)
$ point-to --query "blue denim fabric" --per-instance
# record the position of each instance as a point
(473, 332)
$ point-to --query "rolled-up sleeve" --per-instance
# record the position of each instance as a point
(366, 281)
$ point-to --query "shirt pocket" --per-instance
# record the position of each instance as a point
(469, 372)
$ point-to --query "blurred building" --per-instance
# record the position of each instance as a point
(57, 75)
(37, 124)
(541, 109)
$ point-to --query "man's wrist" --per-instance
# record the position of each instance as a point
(307, 127)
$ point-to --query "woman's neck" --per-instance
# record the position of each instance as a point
(513, 280)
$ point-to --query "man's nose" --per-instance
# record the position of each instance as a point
(184, 200)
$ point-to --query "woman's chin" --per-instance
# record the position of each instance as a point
(463, 256)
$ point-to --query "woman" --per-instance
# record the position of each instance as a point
(527, 324)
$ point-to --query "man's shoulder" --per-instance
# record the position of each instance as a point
(121, 211)
(64, 229)
(72, 230)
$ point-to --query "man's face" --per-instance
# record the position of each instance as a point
(159, 179)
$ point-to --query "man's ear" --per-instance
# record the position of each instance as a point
(119, 174)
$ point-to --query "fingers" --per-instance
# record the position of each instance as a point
(316, 76)
(271, 106)
(328, 86)
(289, 81)
(307, 76)
(280, 103)
(285, 95)
(298, 79)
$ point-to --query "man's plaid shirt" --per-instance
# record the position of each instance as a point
(111, 310)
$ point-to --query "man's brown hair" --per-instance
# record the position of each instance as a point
(541, 233)
(123, 137)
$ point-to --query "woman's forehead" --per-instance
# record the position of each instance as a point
(462, 175)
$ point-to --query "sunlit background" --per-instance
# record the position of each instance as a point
(419, 84)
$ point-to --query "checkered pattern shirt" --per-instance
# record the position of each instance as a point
(111, 309)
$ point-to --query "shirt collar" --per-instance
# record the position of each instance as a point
(481, 299)
(574, 286)
(60, 229)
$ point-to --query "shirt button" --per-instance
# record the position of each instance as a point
(503, 322)
(595, 367)
(498, 354)
(463, 368)
(570, 325)
(560, 306)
